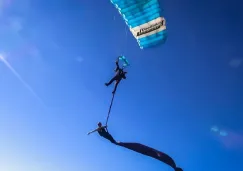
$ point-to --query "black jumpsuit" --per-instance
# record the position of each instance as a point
(120, 74)
(104, 133)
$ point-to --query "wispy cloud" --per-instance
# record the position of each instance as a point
(4, 4)
(34, 52)
(15, 24)
(79, 59)
(232, 141)
(54, 45)
(228, 138)
(236, 63)
(2, 58)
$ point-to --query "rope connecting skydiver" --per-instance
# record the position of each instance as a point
(120, 74)
(107, 118)
(103, 130)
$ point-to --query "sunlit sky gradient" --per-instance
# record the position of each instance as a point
(65, 51)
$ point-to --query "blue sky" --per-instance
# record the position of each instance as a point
(64, 51)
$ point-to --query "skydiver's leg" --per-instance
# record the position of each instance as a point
(107, 136)
(116, 84)
(111, 81)
(110, 138)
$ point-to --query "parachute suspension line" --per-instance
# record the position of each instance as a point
(123, 51)
(125, 42)
(113, 95)
(123, 46)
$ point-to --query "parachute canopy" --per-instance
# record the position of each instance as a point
(144, 19)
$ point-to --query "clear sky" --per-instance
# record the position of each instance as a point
(58, 55)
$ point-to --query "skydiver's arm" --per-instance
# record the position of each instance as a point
(93, 131)
(117, 66)
(96, 130)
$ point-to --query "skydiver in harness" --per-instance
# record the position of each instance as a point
(120, 74)
(102, 130)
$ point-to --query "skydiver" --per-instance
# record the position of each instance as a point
(120, 74)
(102, 130)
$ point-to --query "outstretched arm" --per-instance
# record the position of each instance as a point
(93, 131)
(96, 130)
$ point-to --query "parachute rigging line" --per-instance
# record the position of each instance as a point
(113, 95)
(125, 42)
(123, 46)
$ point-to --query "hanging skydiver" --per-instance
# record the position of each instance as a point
(137, 147)
(120, 74)
(102, 130)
